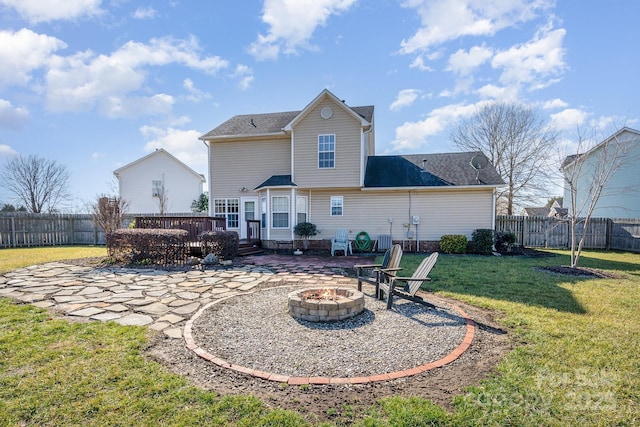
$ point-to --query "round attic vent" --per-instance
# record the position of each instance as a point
(326, 112)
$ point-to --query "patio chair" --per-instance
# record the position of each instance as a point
(391, 286)
(341, 243)
(390, 262)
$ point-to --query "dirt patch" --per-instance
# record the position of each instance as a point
(332, 402)
(580, 272)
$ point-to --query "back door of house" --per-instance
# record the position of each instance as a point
(249, 211)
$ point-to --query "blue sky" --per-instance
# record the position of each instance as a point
(97, 84)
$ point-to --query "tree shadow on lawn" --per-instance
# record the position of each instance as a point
(514, 279)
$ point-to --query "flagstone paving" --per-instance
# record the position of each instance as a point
(163, 300)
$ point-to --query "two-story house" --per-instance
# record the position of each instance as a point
(158, 183)
(615, 159)
(319, 165)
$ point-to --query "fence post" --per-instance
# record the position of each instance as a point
(13, 232)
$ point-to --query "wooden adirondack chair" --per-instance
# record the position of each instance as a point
(390, 262)
(391, 286)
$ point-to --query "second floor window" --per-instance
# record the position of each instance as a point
(156, 188)
(326, 151)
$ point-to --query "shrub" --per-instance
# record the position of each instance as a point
(504, 241)
(453, 243)
(223, 244)
(148, 246)
(482, 242)
(305, 229)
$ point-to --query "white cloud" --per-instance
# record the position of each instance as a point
(195, 94)
(85, 81)
(534, 61)
(463, 62)
(50, 10)
(136, 106)
(412, 136)
(570, 118)
(245, 76)
(12, 117)
(418, 63)
(405, 98)
(503, 93)
(22, 52)
(292, 23)
(183, 144)
(446, 20)
(7, 151)
(554, 103)
(145, 13)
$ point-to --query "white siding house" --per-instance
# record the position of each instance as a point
(159, 176)
(620, 197)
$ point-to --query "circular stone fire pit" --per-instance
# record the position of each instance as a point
(325, 304)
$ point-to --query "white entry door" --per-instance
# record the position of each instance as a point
(249, 211)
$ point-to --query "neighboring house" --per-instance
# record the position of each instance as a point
(318, 165)
(620, 197)
(555, 210)
(159, 180)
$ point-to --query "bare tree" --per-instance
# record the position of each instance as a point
(38, 183)
(163, 198)
(108, 212)
(518, 143)
(586, 175)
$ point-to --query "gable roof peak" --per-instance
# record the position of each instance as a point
(326, 94)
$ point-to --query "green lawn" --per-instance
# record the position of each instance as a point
(575, 363)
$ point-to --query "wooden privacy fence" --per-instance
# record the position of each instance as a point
(548, 232)
(24, 230)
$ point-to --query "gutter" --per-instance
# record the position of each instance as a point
(441, 187)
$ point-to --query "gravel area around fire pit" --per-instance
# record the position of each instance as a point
(255, 331)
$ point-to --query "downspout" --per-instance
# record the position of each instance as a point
(268, 216)
(209, 192)
(294, 207)
(493, 215)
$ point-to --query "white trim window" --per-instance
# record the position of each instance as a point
(326, 151)
(228, 208)
(280, 211)
(302, 208)
(263, 212)
(337, 205)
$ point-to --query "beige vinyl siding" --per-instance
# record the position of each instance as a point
(348, 141)
(441, 212)
(234, 165)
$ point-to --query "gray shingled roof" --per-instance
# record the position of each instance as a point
(444, 169)
(277, 181)
(261, 124)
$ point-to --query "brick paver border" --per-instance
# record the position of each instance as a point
(270, 376)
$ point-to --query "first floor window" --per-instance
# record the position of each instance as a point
(280, 211)
(228, 208)
(263, 212)
(337, 204)
(302, 204)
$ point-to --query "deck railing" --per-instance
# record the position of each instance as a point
(193, 224)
